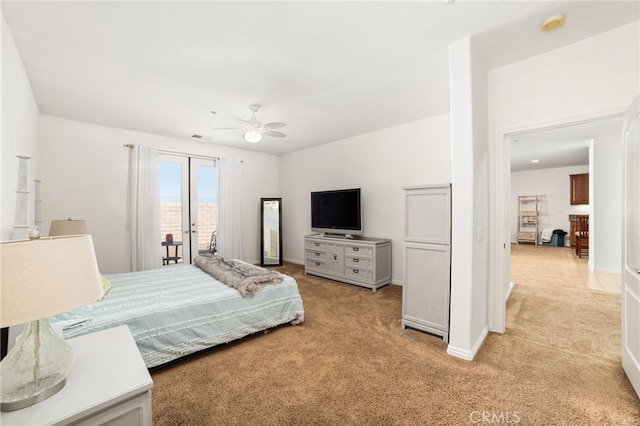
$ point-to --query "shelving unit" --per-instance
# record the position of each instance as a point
(528, 209)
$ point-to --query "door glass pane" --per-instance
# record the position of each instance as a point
(171, 210)
(207, 204)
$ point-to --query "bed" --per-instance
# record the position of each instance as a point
(180, 310)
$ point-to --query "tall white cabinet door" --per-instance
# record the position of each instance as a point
(428, 214)
(425, 302)
(427, 259)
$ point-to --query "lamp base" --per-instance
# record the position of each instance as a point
(36, 368)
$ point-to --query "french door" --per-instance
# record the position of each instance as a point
(188, 206)
(631, 247)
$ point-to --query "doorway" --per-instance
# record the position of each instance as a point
(500, 247)
(188, 188)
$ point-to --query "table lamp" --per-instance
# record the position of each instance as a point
(40, 278)
(67, 227)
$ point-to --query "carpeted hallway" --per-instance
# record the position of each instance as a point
(351, 363)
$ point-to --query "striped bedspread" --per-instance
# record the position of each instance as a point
(176, 311)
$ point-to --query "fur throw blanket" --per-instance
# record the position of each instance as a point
(242, 276)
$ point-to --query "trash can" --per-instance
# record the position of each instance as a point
(559, 234)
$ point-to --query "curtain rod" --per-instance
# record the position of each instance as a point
(168, 151)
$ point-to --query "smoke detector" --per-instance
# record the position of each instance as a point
(552, 22)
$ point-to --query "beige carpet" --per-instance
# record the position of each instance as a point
(351, 363)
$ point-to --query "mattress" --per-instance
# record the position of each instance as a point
(179, 310)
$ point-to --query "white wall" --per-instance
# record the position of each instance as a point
(595, 73)
(469, 258)
(553, 185)
(85, 176)
(605, 238)
(19, 132)
(380, 163)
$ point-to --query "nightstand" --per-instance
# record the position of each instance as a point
(108, 385)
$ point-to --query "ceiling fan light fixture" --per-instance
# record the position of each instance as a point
(252, 136)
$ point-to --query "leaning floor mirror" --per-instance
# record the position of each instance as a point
(271, 232)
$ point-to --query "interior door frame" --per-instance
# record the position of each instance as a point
(499, 205)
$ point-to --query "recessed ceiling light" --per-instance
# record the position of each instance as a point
(448, 1)
(535, 161)
(552, 22)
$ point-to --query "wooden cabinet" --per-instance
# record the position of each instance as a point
(365, 262)
(427, 259)
(579, 188)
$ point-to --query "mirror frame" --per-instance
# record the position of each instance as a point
(263, 201)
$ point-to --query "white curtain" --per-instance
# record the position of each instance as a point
(229, 209)
(144, 209)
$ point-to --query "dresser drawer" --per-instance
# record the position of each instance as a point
(318, 265)
(358, 262)
(358, 273)
(359, 251)
(315, 245)
(316, 255)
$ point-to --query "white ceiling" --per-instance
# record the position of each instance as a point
(561, 147)
(331, 70)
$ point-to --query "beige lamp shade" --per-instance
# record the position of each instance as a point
(67, 227)
(45, 277)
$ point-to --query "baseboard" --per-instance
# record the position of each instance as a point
(511, 284)
(471, 354)
(296, 261)
(608, 271)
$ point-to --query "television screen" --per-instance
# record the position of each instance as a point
(336, 212)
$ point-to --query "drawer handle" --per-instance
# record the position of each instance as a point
(317, 263)
(356, 249)
(356, 260)
(317, 254)
(317, 244)
(355, 271)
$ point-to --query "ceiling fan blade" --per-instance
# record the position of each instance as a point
(243, 121)
(274, 125)
(274, 133)
(227, 128)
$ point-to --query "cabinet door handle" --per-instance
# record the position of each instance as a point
(317, 263)
(355, 271)
(317, 244)
(356, 249)
(335, 256)
(356, 260)
(317, 254)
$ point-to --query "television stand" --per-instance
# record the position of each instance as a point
(365, 262)
(338, 236)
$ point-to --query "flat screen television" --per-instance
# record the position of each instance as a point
(336, 212)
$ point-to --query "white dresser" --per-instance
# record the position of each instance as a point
(427, 259)
(108, 385)
(365, 262)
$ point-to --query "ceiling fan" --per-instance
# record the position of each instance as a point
(254, 129)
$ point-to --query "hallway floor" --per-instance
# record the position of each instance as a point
(558, 265)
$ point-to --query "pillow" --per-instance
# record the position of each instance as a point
(106, 286)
